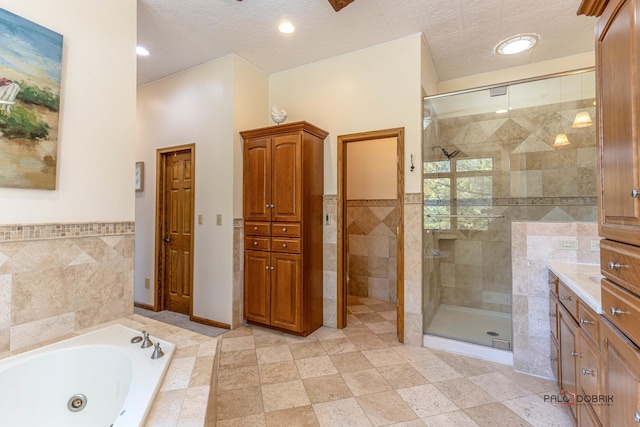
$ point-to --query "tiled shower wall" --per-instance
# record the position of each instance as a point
(59, 278)
(372, 248)
(533, 245)
(531, 180)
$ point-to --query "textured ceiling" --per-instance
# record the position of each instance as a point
(461, 34)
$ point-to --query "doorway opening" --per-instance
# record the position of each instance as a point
(175, 190)
(390, 218)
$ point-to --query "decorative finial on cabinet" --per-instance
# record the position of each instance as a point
(278, 116)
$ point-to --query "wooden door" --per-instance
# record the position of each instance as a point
(257, 180)
(286, 178)
(178, 232)
(257, 296)
(618, 103)
(286, 292)
(568, 353)
(621, 378)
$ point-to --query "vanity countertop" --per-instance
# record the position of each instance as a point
(583, 279)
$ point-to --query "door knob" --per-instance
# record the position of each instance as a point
(635, 193)
(167, 239)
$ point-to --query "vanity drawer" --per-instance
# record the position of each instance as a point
(257, 243)
(257, 228)
(286, 245)
(286, 229)
(620, 263)
(568, 298)
(622, 308)
(589, 323)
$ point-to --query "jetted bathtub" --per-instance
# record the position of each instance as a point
(96, 379)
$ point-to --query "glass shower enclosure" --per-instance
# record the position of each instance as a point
(491, 157)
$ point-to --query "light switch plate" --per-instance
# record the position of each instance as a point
(219, 219)
(595, 245)
(567, 244)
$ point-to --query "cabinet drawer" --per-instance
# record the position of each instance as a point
(553, 315)
(588, 370)
(620, 263)
(286, 245)
(285, 229)
(589, 323)
(553, 283)
(257, 243)
(568, 298)
(622, 308)
(257, 228)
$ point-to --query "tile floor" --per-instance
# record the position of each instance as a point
(361, 376)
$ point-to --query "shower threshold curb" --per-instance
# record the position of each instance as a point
(504, 357)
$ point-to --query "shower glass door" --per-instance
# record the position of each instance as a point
(490, 157)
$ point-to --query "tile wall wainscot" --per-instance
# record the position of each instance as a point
(59, 278)
(533, 245)
(372, 233)
(238, 273)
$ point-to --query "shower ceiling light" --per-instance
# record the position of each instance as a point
(286, 27)
(561, 139)
(517, 44)
(582, 120)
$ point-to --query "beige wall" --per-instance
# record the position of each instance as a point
(77, 270)
(370, 89)
(206, 105)
(372, 172)
(97, 114)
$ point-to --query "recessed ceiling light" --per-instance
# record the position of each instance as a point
(517, 44)
(286, 27)
(142, 51)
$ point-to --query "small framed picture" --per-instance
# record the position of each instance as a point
(139, 176)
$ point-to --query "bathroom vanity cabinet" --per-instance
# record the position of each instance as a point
(618, 103)
(283, 182)
(575, 348)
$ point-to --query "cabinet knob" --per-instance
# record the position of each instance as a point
(267, 267)
(565, 297)
(271, 206)
(636, 417)
(284, 245)
(255, 228)
(553, 359)
(635, 193)
(552, 315)
(586, 372)
(585, 321)
(267, 205)
(284, 229)
(574, 354)
(614, 265)
(255, 243)
(273, 268)
(615, 311)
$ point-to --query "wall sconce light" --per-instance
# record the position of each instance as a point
(582, 120)
(561, 139)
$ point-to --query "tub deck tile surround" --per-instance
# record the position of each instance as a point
(188, 392)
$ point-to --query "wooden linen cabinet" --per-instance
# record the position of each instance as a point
(283, 184)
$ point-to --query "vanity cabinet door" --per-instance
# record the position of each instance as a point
(568, 353)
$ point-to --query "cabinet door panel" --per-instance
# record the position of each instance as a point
(621, 377)
(286, 177)
(257, 180)
(568, 353)
(286, 292)
(617, 103)
(257, 298)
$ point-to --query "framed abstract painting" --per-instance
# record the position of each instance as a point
(30, 77)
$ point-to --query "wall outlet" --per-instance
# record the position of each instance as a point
(567, 244)
(327, 219)
(199, 219)
(147, 283)
(595, 245)
(219, 219)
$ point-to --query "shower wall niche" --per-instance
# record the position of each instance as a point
(491, 157)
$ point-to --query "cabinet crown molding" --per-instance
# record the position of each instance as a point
(285, 128)
(592, 7)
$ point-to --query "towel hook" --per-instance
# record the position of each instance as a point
(412, 167)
